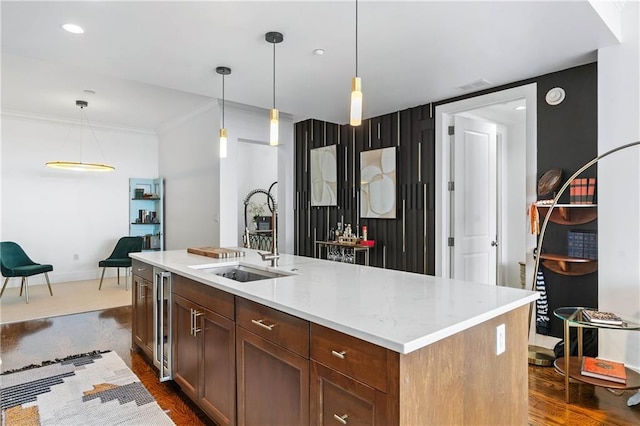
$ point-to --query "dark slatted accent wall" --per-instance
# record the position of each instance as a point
(567, 138)
(405, 243)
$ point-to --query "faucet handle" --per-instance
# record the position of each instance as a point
(268, 256)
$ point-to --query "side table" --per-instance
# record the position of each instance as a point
(570, 366)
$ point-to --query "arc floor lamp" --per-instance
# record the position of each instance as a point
(537, 354)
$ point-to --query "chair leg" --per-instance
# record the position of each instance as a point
(46, 276)
(22, 285)
(26, 288)
(118, 275)
(101, 278)
(4, 285)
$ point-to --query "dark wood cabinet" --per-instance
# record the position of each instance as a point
(248, 364)
(142, 308)
(186, 359)
(273, 380)
(349, 379)
(204, 352)
(338, 399)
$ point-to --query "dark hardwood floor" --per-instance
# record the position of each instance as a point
(35, 341)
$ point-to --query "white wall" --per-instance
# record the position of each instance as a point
(619, 187)
(514, 204)
(201, 190)
(258, 171)
(252, 124)
(190, 166)
(56, 214)
(286, 187)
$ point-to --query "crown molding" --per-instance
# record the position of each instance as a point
(73, 121)
(255, 109)
(170, 124)
(213, 103)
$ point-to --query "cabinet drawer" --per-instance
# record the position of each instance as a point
(337, 399)
(354, 357)
(206, 296)
(142, 269)
(282, 329)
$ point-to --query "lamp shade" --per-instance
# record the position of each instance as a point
(273, 127)
(356, 102)
(223, 143)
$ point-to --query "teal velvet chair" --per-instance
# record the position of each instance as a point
(14, 262)
(119, 258)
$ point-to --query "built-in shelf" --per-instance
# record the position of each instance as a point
(566, 265)
(570, 214)
(146, 209)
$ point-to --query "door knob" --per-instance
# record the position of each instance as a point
(494, 243)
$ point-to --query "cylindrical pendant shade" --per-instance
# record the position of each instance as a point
(356, 102)
(223, 143)
(273, 133)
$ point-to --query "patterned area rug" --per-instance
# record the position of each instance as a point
(94, 389)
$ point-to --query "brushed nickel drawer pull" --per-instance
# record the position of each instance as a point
(141, 269)
(196, 329)
(342, 419)
(263, 325)
(340, 355)
(192, 319)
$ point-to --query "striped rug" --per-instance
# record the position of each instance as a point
(90, 389)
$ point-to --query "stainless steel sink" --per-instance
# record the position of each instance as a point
(243, 273)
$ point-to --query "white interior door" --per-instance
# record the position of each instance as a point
(474, 208)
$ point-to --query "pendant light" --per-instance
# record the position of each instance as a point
(80, 166)
(223, 131)
(355, 118)
(273, 38)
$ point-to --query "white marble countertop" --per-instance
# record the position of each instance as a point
(400, 311)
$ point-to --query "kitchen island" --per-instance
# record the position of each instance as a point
(392, 347)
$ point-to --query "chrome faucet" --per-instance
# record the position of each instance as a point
(273, 256)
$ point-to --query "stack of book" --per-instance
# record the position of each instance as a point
(603, 369)
(582, 244)
(582, 191)
(600, 317)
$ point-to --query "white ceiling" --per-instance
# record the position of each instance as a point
(152, 62)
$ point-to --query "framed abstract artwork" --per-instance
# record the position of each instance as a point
(324, 176)
(378, 183)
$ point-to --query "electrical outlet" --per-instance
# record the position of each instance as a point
(500, 339)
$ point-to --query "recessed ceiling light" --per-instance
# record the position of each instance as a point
(73, 28)
(318, 52)
(520, 108)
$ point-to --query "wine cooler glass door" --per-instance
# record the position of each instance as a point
(162, 323)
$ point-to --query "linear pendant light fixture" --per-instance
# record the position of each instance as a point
(80, 166)
(355, 118)
(223, 131)
(274, 38)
